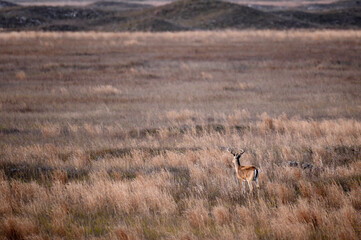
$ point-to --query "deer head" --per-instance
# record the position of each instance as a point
(237, 156)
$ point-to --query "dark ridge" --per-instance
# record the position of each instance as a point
(4, 4)
(32, 16)
(331, 6)
(345, 18)
(311, 7)
(55, 13)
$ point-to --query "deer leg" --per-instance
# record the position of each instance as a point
(243, 186)
(250, 185)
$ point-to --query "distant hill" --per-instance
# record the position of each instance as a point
(208, 14)
(175, 16)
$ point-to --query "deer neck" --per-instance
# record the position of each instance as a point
(237, 164)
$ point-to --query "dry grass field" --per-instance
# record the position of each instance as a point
(123, 135)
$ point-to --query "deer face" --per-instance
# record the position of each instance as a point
(236, 158)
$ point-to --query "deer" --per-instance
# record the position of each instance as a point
(246, 173)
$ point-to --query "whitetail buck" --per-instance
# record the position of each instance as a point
(246, 173)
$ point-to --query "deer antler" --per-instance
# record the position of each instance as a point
(241, 151)
(231, 151)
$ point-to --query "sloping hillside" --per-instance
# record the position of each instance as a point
(205, 14)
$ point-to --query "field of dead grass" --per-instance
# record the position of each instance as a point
(123, 135)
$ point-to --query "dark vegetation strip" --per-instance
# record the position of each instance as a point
(336, 156)
(119, 173)
(199, 129)
(121, 152)
(42, 173)
(140, 133)
(346, 182)
(9, 130)
(36, 172)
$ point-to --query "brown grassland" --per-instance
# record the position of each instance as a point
(123, 135)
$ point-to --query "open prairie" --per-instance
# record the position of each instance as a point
(124, 135)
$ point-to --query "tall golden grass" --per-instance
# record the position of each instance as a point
(107, 139)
